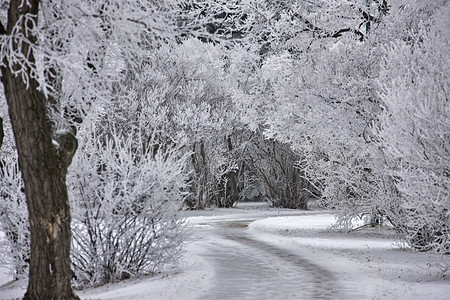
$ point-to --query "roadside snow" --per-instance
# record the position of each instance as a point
(369, 259)
(294, 223)
(307, 225)
(4, 277)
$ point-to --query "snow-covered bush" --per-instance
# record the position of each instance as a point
(15, 244)
(15, 234)
(414, 130)
(125, 199)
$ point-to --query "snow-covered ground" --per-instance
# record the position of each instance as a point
(368, 261)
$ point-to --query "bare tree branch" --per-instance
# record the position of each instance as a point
(2, 29)
(2, 134)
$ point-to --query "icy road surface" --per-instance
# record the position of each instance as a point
(247, 268)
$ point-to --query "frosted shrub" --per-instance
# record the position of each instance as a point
(126, 195)
(14, 229)
(15, 247)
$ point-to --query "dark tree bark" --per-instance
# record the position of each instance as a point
(44, 170)
(2, 134)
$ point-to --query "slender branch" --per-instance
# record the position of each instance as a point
(2, 133)
(2, 29)
(2, 32)
(326, 34)
(339, 33)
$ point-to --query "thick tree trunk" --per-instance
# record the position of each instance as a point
(44, 170)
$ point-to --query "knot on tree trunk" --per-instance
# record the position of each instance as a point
(66, 145)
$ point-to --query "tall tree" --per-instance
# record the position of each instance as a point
(62, 62)
(43, 164)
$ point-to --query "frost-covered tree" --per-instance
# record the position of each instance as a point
(43, 165)
(367, 112)
(414, 127)
(276, 26)
(185, 96)
(307, 82)
(58, 60)
(289, 100)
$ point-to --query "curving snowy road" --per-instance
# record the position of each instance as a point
(248, 268)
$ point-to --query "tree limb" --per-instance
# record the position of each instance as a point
(322, 33)
(2, 29)
(2, 133)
